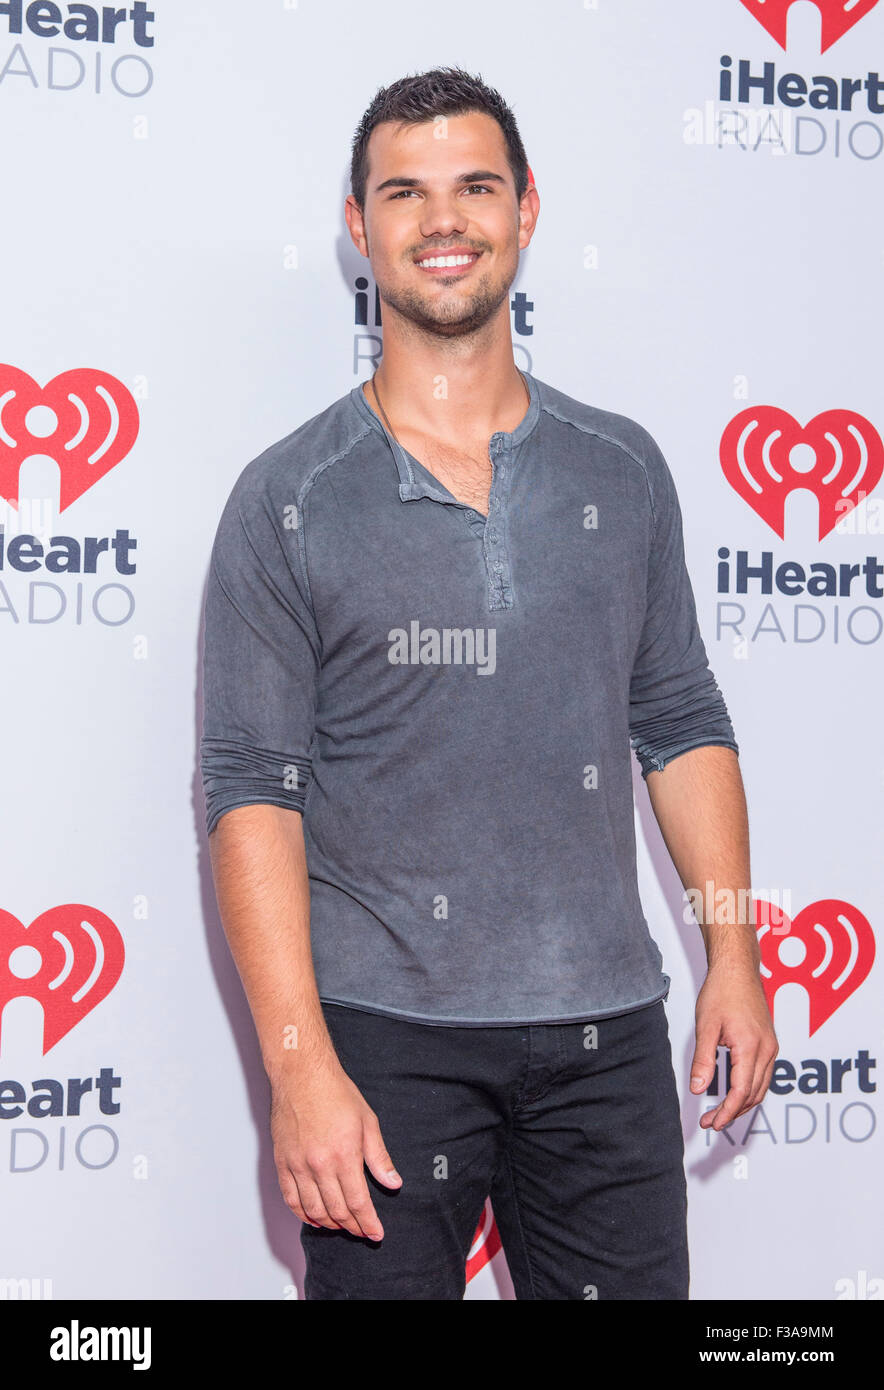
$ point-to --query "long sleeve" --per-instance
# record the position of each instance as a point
(675, 702)
(260, 659)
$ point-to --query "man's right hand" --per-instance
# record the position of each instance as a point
(324, 1132)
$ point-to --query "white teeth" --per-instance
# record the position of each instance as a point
(447, 260)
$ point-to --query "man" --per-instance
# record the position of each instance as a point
(437, 614)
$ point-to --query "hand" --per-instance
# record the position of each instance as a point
(323, 1133)
(732, 1011)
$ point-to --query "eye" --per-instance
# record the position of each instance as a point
(403, 193)
(483, 188)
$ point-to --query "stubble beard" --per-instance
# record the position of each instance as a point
(454, 317)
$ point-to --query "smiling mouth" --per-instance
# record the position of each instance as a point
(448, 263)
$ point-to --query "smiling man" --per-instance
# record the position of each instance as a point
(425, 860)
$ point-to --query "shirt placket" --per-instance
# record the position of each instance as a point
(492, 532)
(494, 538)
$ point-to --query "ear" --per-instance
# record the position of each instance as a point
(529, 211)
(356, 224)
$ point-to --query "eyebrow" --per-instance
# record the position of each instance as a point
(477, 176)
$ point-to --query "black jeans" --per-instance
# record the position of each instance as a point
(574, 1133)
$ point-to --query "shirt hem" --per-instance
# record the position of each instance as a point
(585, 1017)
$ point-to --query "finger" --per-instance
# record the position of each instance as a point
(753, 1069)
(763, 1077)
(705, 1056)
(762, 1072)
(756, 1089)
(709, 1115)
(289, 1189)
(379, 1162)
(358, 1199)
(336, 1204)
(734, 1102)
(311, 1200)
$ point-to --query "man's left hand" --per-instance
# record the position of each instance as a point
(732, 1012)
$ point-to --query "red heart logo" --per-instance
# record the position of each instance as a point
(836, 17)
(486, 1243)
(81, 958)
(96, 424)
(839, 950)
(756, 453)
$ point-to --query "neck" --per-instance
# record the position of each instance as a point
(450, 388)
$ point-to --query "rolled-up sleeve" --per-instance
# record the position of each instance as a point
(674, 701)
(260, 660)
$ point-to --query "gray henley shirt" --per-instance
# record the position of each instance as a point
(449, 700)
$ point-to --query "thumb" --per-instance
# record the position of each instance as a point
(379, 1162)
(704, 1059)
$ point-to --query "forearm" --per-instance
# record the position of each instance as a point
(261, 883)
(700, 806)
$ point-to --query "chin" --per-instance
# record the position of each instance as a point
(466, 319)
(449, 318)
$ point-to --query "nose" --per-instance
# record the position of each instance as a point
(442, 215)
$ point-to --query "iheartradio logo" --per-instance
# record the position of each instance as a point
(828, 949)
(84, 419)
(836, 17)
(486, 1243)
(766, 455)
(68, 959)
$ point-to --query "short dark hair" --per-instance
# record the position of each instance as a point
(439, 92)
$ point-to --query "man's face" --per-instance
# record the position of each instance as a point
(440, 189)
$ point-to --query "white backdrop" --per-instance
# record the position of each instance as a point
(173, 219)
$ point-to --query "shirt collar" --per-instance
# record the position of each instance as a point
(410, 485)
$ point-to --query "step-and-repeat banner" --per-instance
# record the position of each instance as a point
(178, 292)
